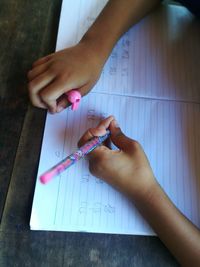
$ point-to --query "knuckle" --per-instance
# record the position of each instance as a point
(31, 86)
(134, 145)
(34, 102)
(45, 97)
(48, 101)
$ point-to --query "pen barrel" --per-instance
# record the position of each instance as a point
(89, 146)
(95, 142)
(56, 170)
(73, 158)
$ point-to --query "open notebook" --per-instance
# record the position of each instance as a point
(151, 84)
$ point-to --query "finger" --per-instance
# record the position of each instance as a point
(120, 139)
(104, 124)
(42, 60)
(98, 154)
(54, 92)
(97, 131)
(62, 103)
(36, 71)
(50, 94)
(40, 104)
(36, 85)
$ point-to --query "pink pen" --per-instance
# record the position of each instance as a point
(74, 97)
(73, 158)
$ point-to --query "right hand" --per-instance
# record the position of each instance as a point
(77, 67)
(127, 169)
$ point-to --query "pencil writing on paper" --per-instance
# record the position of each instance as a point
(73, 158)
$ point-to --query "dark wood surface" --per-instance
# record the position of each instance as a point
(28, 31)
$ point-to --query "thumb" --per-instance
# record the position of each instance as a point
(119, 139)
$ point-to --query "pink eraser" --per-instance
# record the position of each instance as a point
(46, 177)
(74, 97)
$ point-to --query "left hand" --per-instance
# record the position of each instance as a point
(77, 67)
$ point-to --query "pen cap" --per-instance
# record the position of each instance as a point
(74, 97)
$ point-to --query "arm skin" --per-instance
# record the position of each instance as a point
(114, 20)
(80, 66)
(129, 171)
(179, 235)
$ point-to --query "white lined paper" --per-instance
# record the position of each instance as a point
(148, 94)
(84, 203)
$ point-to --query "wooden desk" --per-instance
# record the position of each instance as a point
(28, 31)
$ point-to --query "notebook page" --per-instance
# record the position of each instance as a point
(157, 58)
(77, 201)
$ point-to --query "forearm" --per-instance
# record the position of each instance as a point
(114, 20)
(180, 236)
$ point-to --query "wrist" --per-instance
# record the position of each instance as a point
(144, 191)
(99, 46)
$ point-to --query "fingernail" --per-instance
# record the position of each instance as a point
(116, 125)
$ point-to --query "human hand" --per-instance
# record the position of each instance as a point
(77, 67)
(127, 169)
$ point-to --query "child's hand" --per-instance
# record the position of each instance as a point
(126, 169)
(77, 67)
